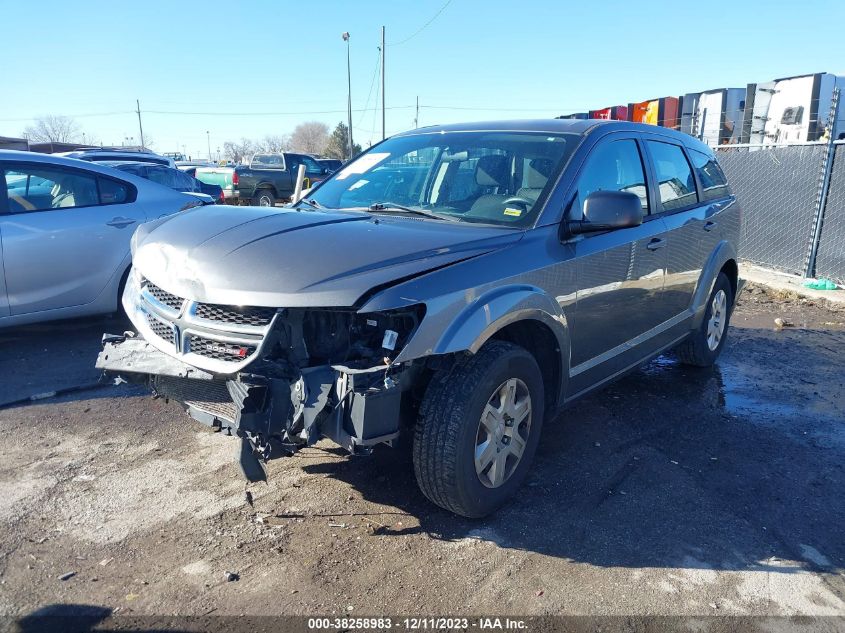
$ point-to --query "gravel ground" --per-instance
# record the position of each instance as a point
(671, 492)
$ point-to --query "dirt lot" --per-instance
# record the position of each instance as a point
(673, 491)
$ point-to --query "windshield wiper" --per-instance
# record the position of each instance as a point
(392, 206)
(311, 202)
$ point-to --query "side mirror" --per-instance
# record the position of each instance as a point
(607, 211)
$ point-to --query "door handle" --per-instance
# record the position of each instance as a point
(120, 222)
(709, 225)
(656, 243)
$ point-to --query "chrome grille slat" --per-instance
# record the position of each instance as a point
(232, 315)
(162, 296)
(162, 330)
(215, 337)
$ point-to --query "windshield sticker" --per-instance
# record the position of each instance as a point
(513, 212)
(363, 164)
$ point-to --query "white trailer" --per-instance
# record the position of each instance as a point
(791, 110)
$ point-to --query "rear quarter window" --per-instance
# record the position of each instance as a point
(114, 192)
(710, 176)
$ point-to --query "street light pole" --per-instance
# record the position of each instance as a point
(349, 90)
(140, 126)
(208, 138)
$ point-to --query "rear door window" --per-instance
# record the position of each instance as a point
(162, 176)
(675, 181)
(184, 182)
(710, 176)
(312, 167)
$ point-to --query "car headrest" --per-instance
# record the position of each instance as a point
(537, 173)
(492, 171)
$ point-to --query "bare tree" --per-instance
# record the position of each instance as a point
(274, 144)
(54, 129)
(310, 137)
(237, 151)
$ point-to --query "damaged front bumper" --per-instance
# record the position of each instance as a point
(272, 414)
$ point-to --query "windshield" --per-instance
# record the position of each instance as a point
(487, 177)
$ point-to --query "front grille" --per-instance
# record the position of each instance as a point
(210, 396)
(219, 350)
(161, 330)
(234, 315)
(162, 296)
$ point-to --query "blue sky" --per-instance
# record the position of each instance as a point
(479, 59)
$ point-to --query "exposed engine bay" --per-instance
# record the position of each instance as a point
(314, 373)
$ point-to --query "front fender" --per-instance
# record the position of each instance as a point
(723, 253)
(497, 309)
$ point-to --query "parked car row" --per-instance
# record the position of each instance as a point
(66, 219)
(65, 226)
(267, 178)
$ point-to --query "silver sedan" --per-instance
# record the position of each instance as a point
(65, 227)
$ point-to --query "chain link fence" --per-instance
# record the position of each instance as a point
(777, 188)
(780, 190)
(830, 261)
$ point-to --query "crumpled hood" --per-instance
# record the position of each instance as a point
(288, 258)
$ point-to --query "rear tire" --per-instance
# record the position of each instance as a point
(264, 198)
(478, 429)
(704, 345)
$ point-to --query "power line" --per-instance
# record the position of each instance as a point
(306, 112)
(424, 26)
(75, 116)
(372, 84)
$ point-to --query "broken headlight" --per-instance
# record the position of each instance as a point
(333, 336)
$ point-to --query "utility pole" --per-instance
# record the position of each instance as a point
(349, 90)
(140, 127)
(417, 117)
(208, 138)
(383, 55)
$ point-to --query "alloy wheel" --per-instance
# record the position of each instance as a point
(718, 316)
(503, 433)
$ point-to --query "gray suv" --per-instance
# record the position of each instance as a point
(458, 284)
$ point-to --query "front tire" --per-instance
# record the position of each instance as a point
(265, 198)
(704, 345)
(479, 428)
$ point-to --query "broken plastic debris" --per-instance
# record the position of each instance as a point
(820, 284)
(782, 323)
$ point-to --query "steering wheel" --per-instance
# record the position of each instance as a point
(517, 200)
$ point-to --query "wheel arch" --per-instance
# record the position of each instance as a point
(722, 259)
(266, 185)
(523, 315)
